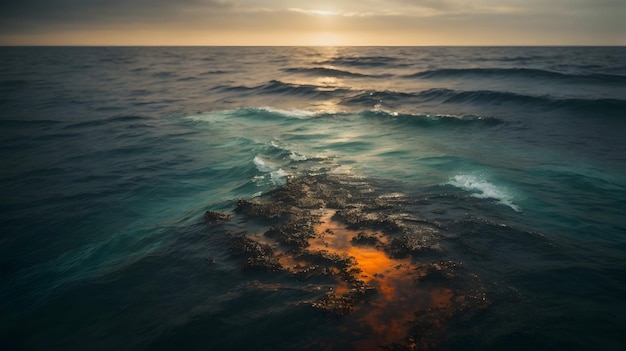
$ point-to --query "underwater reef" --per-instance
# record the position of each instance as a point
(377, 266)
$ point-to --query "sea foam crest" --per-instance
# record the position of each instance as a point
(277, 175)
(218, 116)
(296, 156)
(261, 165)
(211, 117)
(482, 189)
(294, 113)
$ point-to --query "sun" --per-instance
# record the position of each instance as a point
(323, 13)
(326, 39)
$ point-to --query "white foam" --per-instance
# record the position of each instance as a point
(279, 177)
(262, 166)
(295, 156)
(294, 113)
(214, 116)
(276, 174)
(274, 143)
(482, 189)
(341, 170)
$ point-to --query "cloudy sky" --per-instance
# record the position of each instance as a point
(333, 22)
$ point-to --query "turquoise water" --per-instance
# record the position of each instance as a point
(110, 156)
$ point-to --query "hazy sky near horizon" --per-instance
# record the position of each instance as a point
(336, 22)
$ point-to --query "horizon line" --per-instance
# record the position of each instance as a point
(320, 46)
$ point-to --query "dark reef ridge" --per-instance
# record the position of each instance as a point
(381, 266)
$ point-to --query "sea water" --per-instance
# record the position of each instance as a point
(110, 156)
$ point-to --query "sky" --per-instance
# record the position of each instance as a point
(334, 22)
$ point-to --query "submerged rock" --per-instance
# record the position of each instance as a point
(334, 305)
(212, 216)
(256, 255)
(255, 208)
(295, 233)
(362, 238)
(344, 234)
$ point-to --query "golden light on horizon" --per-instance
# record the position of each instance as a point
(326, 39)
(315, 12)
(324, 13)
(223, 22)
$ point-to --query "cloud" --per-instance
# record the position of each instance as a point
(311, 12)
(24, 14)
(314, 12)
(461, 20)
(442, 5)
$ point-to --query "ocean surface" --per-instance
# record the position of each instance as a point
(110, 156)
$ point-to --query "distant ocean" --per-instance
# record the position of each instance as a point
(110, 157)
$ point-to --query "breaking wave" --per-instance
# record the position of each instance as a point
(365, 61)
(488, 97)
(526, 73)
(482, 189)
(325, 71)
(276, 87)
(428, 120)
(276, 174)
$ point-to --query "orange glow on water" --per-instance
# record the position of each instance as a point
(373, 262)
(387, 316)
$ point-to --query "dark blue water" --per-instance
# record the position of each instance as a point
(110, 156)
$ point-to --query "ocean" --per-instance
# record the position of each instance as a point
(443, 198)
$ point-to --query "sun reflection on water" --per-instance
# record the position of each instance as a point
(385, 318)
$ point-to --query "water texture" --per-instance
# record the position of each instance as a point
(110, 157)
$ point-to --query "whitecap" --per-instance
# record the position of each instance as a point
(276, 174)
(262, 166)
(294, 113)
(295, 156)
(279, 177)
(341, 170)
(379, 110)
(482, 189)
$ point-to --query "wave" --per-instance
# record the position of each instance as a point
(276, 174)
(297, 157)
(325, 71)
(373, 98)
(428, 120)
(276, 87)
(281, 88)
(526, 73)
(423, 120)
(484, 97)
(368, 97)
(420, 120)
(482, 189)
(291, 113)
(256, 112)
(488, 97)
(364, 61)
(479, 96)
(510, 58)
(214, 72)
